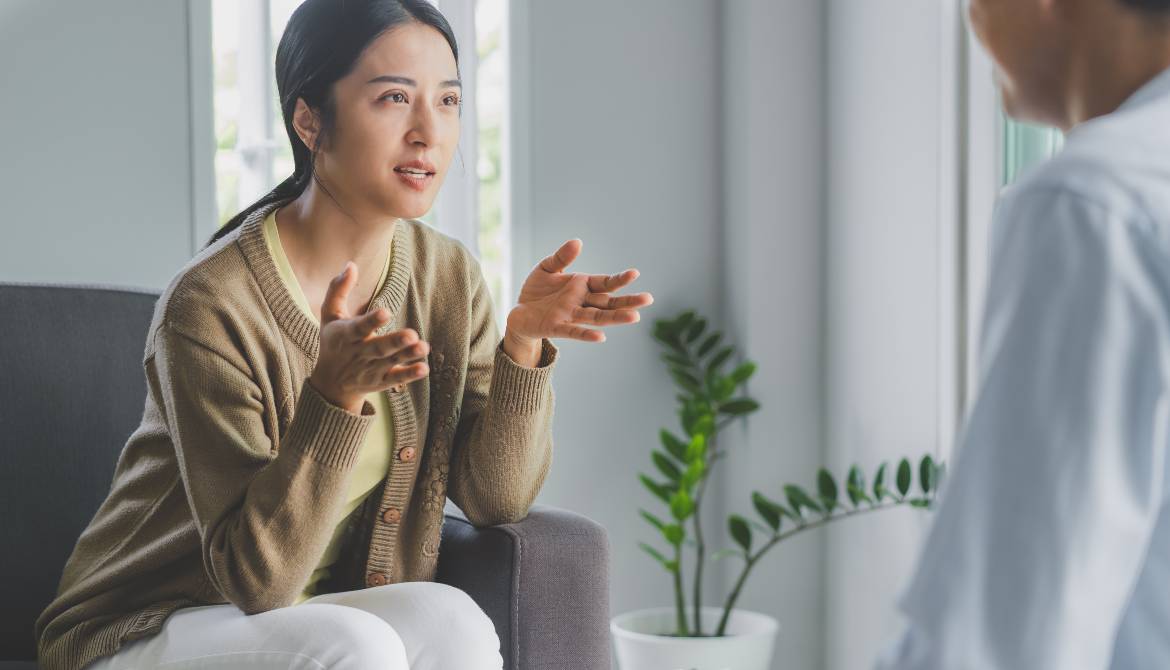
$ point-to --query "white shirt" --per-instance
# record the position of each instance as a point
(1050, 546)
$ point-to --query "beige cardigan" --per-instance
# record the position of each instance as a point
(229, 488)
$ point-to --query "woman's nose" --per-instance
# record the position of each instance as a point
(423, 128)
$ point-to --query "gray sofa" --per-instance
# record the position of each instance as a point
(71, 392)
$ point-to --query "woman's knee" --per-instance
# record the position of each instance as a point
(468, 637)
(345, 638)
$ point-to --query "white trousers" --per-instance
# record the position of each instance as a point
(408, 625)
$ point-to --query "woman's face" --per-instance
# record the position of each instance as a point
(397, 123)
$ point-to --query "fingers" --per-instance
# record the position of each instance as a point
(605, 317)
(561, 258)
(402, 374)
(392, 348)
(606, 301)
(578, 333)
(608, 283)
(365, 325)
(333, 307)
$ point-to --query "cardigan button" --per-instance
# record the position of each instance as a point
(391, 515)
(376, 578)
(406, 454)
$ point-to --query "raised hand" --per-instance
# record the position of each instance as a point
(555, 303)
(351, 362)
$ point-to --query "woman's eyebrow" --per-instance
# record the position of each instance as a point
(395, 79)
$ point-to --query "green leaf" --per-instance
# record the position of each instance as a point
(721, 389)
(705, 424)
(709, 343)
(686, 380)
(719, 358)
(673, 445)
(926, 473)
(673, 533)
(827, 488)
(675, 359)
(688, 415)
(654, 521)
(658, 557)
(697, 448)
(856, 494)
(904, 477)
(740, 531)
(666, 466)
(681, 505)
(693, 473)
(739, 406)
(920, 502)
(695, 330)
(668, 336)
(767, 509)
(798, 499)
(855, 486)
(879, 484)
(660, 491)
(683, 320)
(743, 372)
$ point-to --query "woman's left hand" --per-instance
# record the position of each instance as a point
(554, 303)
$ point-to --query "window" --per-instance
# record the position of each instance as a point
(252, 152)
(1025, 145)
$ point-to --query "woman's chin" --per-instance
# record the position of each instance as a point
(411, 207)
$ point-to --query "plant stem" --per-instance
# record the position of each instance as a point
(680, 605)
(779, 537)
(700, 547)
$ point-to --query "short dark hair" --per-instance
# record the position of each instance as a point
(1149, 5)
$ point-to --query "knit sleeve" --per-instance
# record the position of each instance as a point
(503, 443)
(263, 520)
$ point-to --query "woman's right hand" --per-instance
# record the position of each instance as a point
(351, 363)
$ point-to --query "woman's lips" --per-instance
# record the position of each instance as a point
(415, 179)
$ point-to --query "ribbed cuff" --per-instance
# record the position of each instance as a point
(326, 433)
(519, 388)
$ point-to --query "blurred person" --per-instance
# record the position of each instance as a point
(1050, 549)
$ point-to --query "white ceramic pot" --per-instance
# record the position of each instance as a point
(643, 640)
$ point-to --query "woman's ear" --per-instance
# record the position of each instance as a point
(306, 123)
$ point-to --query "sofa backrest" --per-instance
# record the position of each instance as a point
(72, 390)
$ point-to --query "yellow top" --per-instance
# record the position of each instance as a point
(374, 460)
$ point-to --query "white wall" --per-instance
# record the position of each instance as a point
(890, 182)
(96, 181)
(624, 153)
(773, 139)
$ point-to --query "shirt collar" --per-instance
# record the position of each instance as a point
(1155, 88)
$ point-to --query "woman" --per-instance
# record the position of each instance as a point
(280, 504)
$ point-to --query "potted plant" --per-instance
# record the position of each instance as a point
(702, 637)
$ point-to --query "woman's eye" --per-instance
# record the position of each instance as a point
(451, 100)
(396, 96)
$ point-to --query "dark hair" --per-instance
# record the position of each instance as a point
(321, 45)
(1149, 5)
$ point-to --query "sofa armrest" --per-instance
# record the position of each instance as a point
(543, 580)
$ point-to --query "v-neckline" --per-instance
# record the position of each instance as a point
(299, 326)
